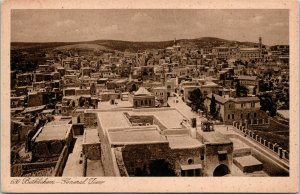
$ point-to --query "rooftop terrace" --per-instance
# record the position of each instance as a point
(53, 132)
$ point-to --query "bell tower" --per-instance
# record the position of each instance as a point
(260, 46)
(260, 43)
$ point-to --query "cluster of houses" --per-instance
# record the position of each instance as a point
(122, 99)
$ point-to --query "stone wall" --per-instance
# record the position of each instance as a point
(92, 151)
(35, 99)
(59, 167)
(107, 154)
(270, 166)
(141, 120)
(90, 120)
(78, 129)
(50, 148)
(140, 156)
(17, 170)
(212, 157)
(47, 149)
(272, 146)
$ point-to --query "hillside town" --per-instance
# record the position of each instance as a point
(181, 110)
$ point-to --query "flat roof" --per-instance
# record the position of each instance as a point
(247, 161)
(53, 132)
(113, 119)
(170, 118)
(183, 142)
(145, 136)
(106, 105)
(91, 136)
(214, 137)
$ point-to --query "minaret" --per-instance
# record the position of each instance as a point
(260, 45)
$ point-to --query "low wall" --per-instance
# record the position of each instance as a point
(108, 159)
(17, 170)
(59, 168)
(78, 129)
(271, 166)
(272, 146)
(241, 152)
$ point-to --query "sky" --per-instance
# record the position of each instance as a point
(149, 25)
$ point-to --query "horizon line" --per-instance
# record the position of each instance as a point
(148, 41)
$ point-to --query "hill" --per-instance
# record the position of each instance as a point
(128, 45)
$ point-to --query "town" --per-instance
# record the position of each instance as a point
(201, 107)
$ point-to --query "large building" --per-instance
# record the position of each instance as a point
(235, 109)
(158, 142)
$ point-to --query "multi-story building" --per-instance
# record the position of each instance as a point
(235, 109)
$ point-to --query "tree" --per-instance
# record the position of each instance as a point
(197, 99)
(240, 90)
(267, 104)
(133, 88)
(213, 110)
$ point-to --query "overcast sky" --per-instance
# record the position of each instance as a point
(149, 25)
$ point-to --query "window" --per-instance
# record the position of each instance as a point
(190, 172)
(254, 115)
(146, 102)
(232, 116)
(142, 102)
(241, 116)
(150, 102)
(201, 157)
(197, 172)
(190, 161)
(252, 104)
(242, 105)
(222, 157)
(228, 116)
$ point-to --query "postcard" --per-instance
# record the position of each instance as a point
(149, 96)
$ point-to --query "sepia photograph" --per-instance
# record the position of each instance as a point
(149, 93)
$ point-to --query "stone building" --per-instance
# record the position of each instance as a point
(235, 109)
(218, 150)
(142, 98)
(161, 95)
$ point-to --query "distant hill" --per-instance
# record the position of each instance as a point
(129, 45)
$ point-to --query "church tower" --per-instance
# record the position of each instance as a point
(260, 43)
(260, 46)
